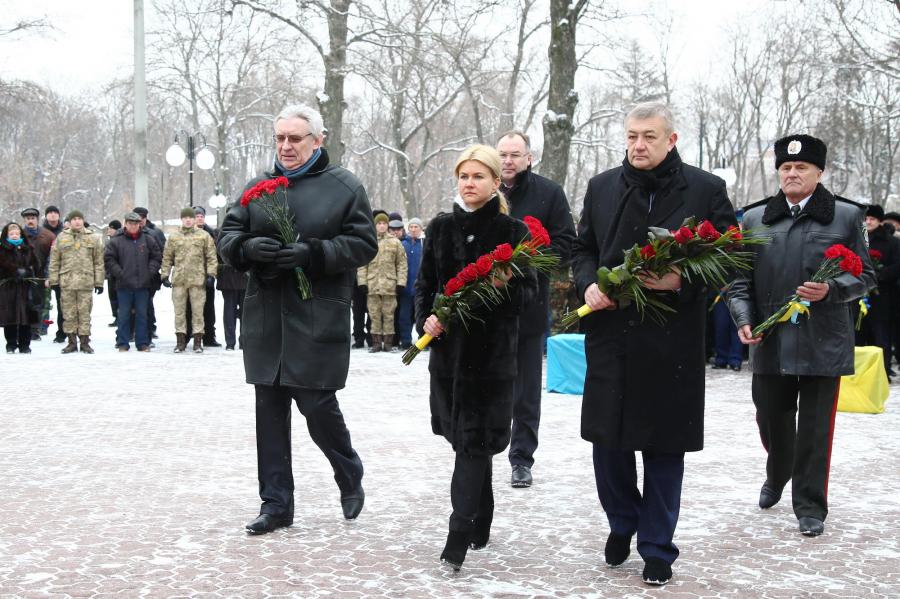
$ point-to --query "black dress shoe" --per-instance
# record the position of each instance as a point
(768, 496)
(811, 527)
(617, 549)
(352, 503)
(358, 344)
(211, 343)
(229, 347)
(656, 571)
(521, 476)
(454, 553)
(267, 523)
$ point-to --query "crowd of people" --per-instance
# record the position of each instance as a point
(485, 378)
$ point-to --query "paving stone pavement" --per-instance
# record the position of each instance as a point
(132, 475)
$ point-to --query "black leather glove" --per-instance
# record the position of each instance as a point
(210, 280)
(293, 255)
(400, 289)
(98, 290)
(21, 273)
(364, 289)
(261, 249)
(166, 282)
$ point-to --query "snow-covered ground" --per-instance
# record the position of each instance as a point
(133, 474)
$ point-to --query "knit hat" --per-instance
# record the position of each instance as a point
(51, 208)
(875, 210)
(200, 210)
(381, 217)
(187, 213)
(141, 211)
(30, 212)
(133, 217)
(395, 224)
(802, 148)
(415, 221)
(395, 216)
(74, 214)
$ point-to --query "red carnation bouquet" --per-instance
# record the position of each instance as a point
(696, 251)
(474, 284)
(838, 259)
(265, 195)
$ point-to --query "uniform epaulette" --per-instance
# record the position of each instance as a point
(857, 204)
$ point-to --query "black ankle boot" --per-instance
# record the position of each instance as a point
(481, 533)
(454, 552)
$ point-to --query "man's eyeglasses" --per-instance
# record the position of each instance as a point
(292, 139)
(513, 156)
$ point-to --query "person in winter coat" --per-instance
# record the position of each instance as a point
(132, 258)
(112, 229)
(294, 348)
(233, 285)
(383, 279)
(877, 326)
(530, 194)
(53, 223)
(41, 240)
(644, 387)
(151, 229)
(473, 368)
(76, 266)
(189, 263)
(412, 244)
(21, 298)
(797, 368)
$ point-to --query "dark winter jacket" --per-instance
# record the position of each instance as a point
(132, 262)
(821, 344)
(160, 237)
(20, 300)
(644, 388)
(537, 196)
(55, 230)
(41, 242)
(229, 278)
(472, 369)
(287, 340)
(413, 249)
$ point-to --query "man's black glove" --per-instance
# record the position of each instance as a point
(400, 289)
(166, 282)
(364, 289)
(261, 249)
(210, 280)
(98, 290)
(293, 255)
(21, 273)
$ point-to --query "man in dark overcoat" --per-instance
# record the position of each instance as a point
(529, 194)
(644, 388)
(799, 363)
(296, 349)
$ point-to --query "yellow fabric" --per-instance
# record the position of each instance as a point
(795, 308)
(867, 390)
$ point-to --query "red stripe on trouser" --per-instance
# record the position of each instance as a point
(837, 392)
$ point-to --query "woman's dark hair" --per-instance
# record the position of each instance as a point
(5, 234)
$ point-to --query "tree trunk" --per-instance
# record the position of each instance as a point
(332, 104)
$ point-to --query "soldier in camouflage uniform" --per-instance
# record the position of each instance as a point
(383, 279)
(76, 266)
(190, 259)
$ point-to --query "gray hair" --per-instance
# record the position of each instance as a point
(648, 110)
(307, 113)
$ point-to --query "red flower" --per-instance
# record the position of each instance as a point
(875, 255)
(502, 253)
(736, 234)
(852, 264)
(539, 235)
(452, 286)
(647, 252)
(836, 251)
(265, 187)
(707, 231)
(468, 274)
(484, 264)
(683, 235)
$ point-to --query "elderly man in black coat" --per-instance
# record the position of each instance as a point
(294, 348)
(529, 194)
(797, 370)
(644, 389)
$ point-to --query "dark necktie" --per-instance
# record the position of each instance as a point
(795, 211)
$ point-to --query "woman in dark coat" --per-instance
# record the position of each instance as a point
(473, 368)
(19, 298)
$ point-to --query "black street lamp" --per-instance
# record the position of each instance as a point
(175, 156)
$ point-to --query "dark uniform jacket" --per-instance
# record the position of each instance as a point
(287, 340)
(821, 344)
(132, 263)
(645, 382)
(472, 369)
(537, 196)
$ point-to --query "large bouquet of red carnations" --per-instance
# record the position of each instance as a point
(696, 251)
(475, 284)
(838, 259)
(265, 195)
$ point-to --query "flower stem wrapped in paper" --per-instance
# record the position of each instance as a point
(476, 283)
(265, 195)
(697, 252)
(838, 259)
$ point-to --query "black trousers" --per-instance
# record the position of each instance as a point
(273, 443)
(17, 336)
(361, 322)
(798, 442)
(233, 301)
(471, 491)
(527, 401)
(113, 294)
(151, 313)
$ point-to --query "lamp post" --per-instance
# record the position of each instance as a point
(218, 201)
(175, 156)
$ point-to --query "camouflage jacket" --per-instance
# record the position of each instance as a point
(387, 270)
(76, 260)
(190, 256)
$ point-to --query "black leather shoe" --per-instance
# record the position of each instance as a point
(352, 503)
(211, 343)
(656, 571)
(267, 523)
(617, 550)
(811, 527)
(521, 476)
(768, 496)
(358, 344)
(454, 553)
